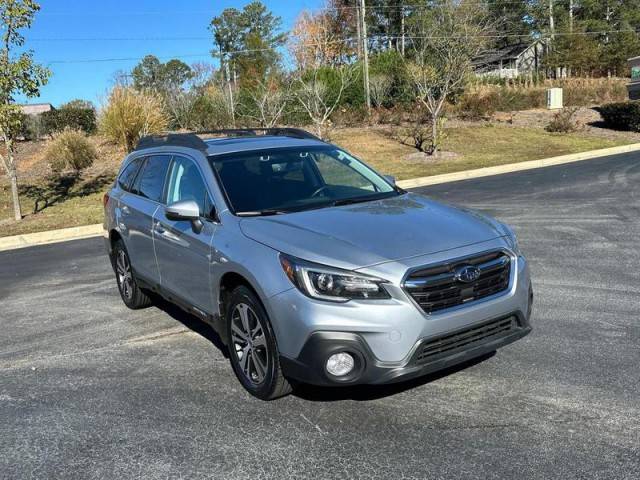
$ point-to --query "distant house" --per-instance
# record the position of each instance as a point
(36, 108)
(634, 85)
(511, 61)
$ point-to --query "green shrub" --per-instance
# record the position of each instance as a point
(79, 103)
(392, 64)
(130, 115)
(71, 150)
(210, 110)
(563, 121)
(75, 118)
(353, 94)
(621, 116)
(32, 128)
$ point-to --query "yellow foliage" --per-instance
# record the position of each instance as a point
(130, 115)
(71, 150)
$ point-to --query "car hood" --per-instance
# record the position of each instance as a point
(366, 234)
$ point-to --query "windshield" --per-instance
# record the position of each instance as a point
(293, 179)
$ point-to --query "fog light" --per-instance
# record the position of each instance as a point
(340, 364)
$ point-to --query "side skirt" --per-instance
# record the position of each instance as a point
(215, 321)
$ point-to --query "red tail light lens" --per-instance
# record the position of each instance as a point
(105, 200)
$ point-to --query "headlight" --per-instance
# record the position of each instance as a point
(511, 238)
(332, 284)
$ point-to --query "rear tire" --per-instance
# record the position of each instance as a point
(131, 294)
(253, 351)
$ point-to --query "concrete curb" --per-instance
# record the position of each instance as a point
(88, 231)
(516, 167)
(52, 236)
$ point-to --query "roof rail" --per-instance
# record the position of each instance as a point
(189, 140)
(275, 131)
(192, 140)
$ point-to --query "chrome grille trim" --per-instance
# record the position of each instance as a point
(435, 287)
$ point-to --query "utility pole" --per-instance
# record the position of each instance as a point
(227, 74)
(402, 30)
(359, 30)
(552, 27)
(365, 51)
(570, 16)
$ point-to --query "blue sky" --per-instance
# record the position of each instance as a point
(66, 35)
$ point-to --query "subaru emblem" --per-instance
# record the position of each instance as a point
(467, 274)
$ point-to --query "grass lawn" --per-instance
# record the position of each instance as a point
(77, 202)
(80, 204)
(477, 146)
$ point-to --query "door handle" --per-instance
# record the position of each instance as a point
(159, 229)
(126, 210)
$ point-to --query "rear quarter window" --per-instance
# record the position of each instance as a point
(128, 174)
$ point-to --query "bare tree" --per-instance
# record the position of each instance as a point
(270, 98)
(446, 38)
(380, 85)
(203, 73)
(180, 105)
(320, 99)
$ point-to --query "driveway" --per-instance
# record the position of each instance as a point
(89, 389)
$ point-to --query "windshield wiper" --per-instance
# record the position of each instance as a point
(351, 201)
(261, 213)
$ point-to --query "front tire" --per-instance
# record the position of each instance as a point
(131, 294)
(252, 347)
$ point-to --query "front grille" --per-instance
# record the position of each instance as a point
(438, 287)
(449, 344)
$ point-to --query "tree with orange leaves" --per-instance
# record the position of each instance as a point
(323, 38)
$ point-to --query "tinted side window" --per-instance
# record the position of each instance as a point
(128, 174)
(186, 183)
(151, 180)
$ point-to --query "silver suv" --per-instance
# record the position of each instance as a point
(311, 266)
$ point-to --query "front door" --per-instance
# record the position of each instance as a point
(183, 252)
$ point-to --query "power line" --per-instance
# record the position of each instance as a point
(125, 59)
(117, 39)
(410, 8)
(175, 39)
(347, 40)
(209, 12)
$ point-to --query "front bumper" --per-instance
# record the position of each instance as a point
(385, 336)
(309, 367)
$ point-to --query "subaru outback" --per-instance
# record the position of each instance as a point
(310, 265)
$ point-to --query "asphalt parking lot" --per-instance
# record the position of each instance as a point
(89, 389)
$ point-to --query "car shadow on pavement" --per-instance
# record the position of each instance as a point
(315, 393)
(193, 323)
(374, 392)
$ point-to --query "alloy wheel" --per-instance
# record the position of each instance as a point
(249, 343)
(123, 271)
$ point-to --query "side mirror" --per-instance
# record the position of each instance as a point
(185, 210)
(391, 179)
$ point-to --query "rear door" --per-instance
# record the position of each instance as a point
(183, 252)
(137, 209)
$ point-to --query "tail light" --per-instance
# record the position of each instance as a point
(105, 200)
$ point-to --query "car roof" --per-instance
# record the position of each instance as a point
(219, 146)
